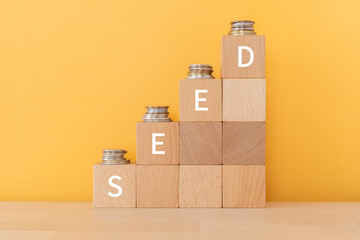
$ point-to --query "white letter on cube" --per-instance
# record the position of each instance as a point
(155, 143)
(251, 60)
(198, 100)
(118, 194)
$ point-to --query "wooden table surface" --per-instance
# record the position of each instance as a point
(280, 220)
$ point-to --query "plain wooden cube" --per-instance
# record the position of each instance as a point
(210, 100)
(201, 143)
(200, 186)
(114, 186)
(244, 186)
(244, 143)
(157, 186)
(235, 47)
(244, 100)
(166, 147)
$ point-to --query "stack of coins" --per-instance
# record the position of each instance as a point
(157, 114)
(114, 156)
(198, 71)
(242, 27)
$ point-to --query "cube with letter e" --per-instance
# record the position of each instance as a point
(157, 143)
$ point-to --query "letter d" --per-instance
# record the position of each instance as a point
(251, 60)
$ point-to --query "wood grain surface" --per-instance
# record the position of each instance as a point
(144, 131)
(278, 221)
(213, 100)
(244, 143)
(157, 186)
(244, 186)
(229, 56)
(102, 173)
(200, 143)
(200, 186)
(244, 100)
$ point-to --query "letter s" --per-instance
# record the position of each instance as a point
(118, 194)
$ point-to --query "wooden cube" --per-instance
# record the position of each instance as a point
(114, 185)
(200, 186)
(157, 143)
(243, 56)
(244, 143)
(157, 186)
(200, 100)
(201, 143)
(244, 100)
(244, 186)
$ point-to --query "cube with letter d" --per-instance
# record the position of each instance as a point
(243, 56)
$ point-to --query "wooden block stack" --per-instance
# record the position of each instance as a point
(157, 150)
(215, 156)
(200, 139)
(244, 110)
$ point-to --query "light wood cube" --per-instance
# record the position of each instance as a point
(243, 56)
(201, 143)
(157, 143)
(244, 100)
(201, 186)
(244, 186)
(244, 143)
(157, 186)
(114, 186)
(200, 100)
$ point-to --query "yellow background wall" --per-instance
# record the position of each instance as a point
(76, 75)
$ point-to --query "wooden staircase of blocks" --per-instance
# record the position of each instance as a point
(215, 156)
